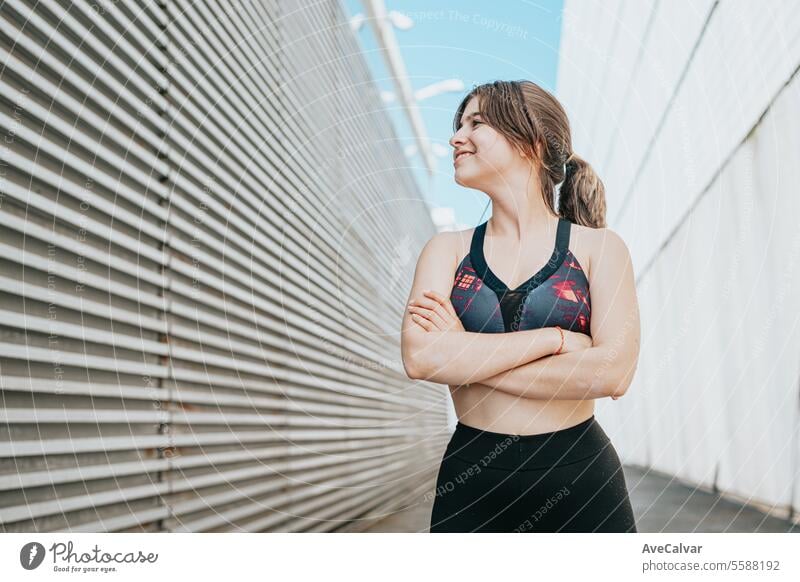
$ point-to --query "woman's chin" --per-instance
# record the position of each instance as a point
(464, 179)
(460, 174)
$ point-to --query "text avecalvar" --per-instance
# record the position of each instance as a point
(671, 549)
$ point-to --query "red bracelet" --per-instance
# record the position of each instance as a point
(562, 340)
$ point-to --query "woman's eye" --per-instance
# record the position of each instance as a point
(475, 122)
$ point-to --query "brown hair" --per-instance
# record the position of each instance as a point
(534, 121)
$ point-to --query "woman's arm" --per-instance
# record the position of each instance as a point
(605, 369)
(456, 356)
(462, 357)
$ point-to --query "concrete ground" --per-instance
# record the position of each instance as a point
(661, 504)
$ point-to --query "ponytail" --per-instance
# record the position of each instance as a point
(582, 197)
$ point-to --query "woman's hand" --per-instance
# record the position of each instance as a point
(434, 312)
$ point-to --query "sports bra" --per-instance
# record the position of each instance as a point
(556, 295)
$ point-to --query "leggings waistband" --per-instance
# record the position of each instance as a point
(498, 450)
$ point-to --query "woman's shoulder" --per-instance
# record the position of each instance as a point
(442, 249)
(582, 241)
(453, 244)
(461, 241)
(439, 260)
(595, 243)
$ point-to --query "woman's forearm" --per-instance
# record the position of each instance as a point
(579, 375)
(462, 357)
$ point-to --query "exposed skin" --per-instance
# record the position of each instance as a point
(511, 382)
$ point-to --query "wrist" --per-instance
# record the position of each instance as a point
(560, 341)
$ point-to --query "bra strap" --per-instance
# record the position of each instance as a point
(562, 236)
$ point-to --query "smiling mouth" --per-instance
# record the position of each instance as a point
(462, 155)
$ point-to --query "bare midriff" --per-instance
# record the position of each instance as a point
(487, 408)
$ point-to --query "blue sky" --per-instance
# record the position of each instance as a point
(472, 41)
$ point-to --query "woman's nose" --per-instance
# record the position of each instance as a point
(456, 140)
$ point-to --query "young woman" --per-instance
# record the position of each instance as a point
(527, 454)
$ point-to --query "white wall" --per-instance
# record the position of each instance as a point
(690, 112)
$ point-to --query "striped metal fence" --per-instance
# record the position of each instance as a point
(208, 233)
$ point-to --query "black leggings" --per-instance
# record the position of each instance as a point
(568, 480)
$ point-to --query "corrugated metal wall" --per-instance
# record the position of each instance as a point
(689, 111)
(208, 234)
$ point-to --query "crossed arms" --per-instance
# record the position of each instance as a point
(521, 363)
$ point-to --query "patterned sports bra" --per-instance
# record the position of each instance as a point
(557, 295)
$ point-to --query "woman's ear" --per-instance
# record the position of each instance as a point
(538, 148)
(536, 154)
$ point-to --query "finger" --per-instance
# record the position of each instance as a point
(424, 302)
(431, 305)
(437, 297)
(443, 301)
(447, 318)
(434, 295)
(426, 325)
(431, 315)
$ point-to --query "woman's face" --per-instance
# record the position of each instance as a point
(491, 156)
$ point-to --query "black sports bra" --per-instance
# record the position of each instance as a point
(557, 295)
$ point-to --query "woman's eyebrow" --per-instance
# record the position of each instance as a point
(471, 115)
